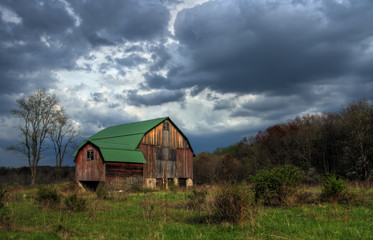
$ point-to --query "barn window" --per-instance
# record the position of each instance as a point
(90, 155)
(166, 126)
(158, 152)
(173, 154)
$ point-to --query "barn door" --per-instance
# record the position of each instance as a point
(165, 155)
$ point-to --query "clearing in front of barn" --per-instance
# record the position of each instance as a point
(177, 214)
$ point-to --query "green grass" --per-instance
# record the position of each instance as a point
(166, 215)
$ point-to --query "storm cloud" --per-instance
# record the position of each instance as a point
(278, 48)
(221, 69)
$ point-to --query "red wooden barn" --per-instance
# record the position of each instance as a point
(150, 151)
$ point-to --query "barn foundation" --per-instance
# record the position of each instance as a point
(176, 182)
(189, 183)
(150, 183)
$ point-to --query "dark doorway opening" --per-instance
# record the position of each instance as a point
(90, 185)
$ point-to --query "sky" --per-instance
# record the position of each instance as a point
(220, 69)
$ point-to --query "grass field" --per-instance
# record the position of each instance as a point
(168, 214)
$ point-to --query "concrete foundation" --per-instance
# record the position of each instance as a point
(176, 181)
(150, 183)
(189, 183)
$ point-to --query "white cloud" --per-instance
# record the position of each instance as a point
(9, 16)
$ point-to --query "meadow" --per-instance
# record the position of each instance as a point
(180, 213)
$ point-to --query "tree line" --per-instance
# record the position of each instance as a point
(319, 144)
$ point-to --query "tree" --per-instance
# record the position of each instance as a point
(357, 120)
(38, 112)
(62, 134)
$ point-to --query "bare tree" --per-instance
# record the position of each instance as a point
(38, 113)
(63, 135)
(358, 119)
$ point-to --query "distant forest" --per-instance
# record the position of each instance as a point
(319, 144)
(46, 175)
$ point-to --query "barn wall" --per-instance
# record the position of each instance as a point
(172, 138)
(123, 170)
(149, 154)
(120, 174)
(166, 143)
(91, 170)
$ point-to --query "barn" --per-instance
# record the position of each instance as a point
(149, 152)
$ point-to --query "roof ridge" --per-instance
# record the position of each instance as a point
(143, 121)
(132, 134)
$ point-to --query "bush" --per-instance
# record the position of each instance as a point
(197, 199)
(5, 220)
(274, 186)
(231, 204)
(75, 203)
(48, 196)
(137, 187)
(3, 192)
(172, 187)
(334, 188)
(103, 191)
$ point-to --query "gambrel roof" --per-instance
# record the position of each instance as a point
(119, 143)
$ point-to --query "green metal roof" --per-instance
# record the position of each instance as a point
(119, 143)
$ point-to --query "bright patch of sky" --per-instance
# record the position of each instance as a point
(9, 15)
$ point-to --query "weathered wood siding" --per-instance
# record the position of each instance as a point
(123, 170)
(166, 152)
(184, 163)
(149, 154)
(89, 170)
(172, 138)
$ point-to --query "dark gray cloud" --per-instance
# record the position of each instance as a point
(98, 97)
(114, 21)
(153, 99)
(25, 60)
(50, 36)
(253, 46)
(280, 108)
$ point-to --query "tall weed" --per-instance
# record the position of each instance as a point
(5, 219)
(231, 203)
(197, 199)
(75, 203)
(103, 191)
(3, 192)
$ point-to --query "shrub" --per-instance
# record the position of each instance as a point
(48, 196)
(75, 203)
(274, 186)
(3, 192)
(103, 191)
(137, 187)
(172, 187)
(197, 199)
(120, 195)
(334, 188)
(5, 220)
(231, 203)
(68, 188)
(305, 197)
